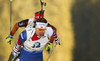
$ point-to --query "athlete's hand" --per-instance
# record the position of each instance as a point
(9, 38)
(49, 47)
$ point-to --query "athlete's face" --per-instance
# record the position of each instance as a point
(40, 32)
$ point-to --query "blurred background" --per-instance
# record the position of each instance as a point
(77, 23)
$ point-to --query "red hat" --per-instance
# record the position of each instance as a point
(37, 15)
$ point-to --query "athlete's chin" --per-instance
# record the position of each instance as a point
(41, 35)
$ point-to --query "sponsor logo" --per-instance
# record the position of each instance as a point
(36, 45)
(20, 24)
(22, 36)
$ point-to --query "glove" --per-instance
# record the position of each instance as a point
(9, 38)
(49, 47)
(15, 51)
(57, 41)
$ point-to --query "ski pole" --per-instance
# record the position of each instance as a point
(51, 52)
(13, 59)
(10, 15)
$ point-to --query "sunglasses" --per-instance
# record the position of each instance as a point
(41, 29)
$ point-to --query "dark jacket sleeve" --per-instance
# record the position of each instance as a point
(22, 23)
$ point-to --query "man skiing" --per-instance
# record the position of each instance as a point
(34, 40)
(30, 23)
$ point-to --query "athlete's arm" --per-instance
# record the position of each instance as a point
(54, 35)
(21, 39)
(22, 23)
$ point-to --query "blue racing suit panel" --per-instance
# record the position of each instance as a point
(23, 36)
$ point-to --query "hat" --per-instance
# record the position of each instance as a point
(41, 25)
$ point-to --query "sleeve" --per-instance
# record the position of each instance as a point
(54, 29)
(54, 32)
(50, 31)
(54, 35)
(22, 38)
(22, 23)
